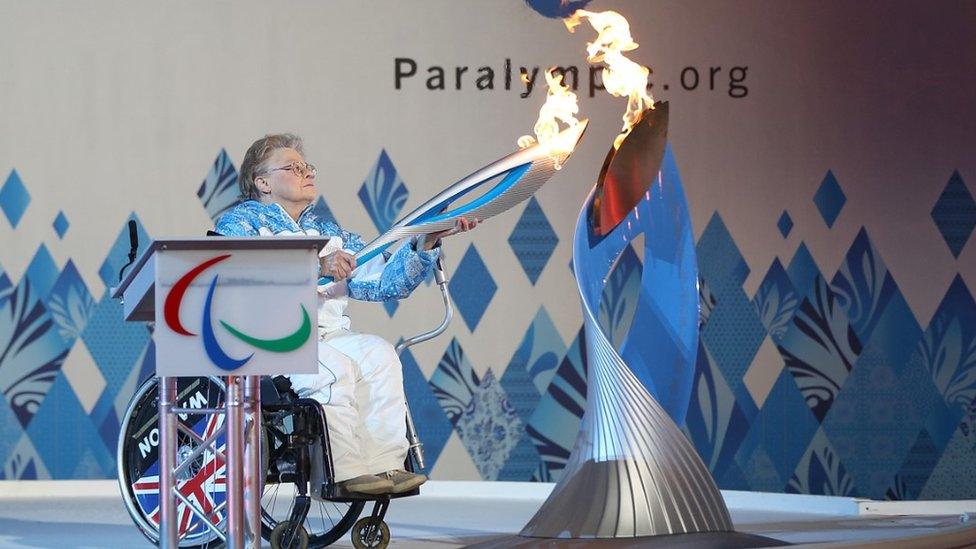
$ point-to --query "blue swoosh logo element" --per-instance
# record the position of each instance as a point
(214, 351)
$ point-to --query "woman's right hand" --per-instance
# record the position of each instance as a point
(339, 265)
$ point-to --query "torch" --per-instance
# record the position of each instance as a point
(632, 472)
(493, 189)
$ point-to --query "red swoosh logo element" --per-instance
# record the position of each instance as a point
(171, 308)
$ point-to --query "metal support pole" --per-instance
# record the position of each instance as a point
(168, 521)
(415, 445)
(236, 526)
(253, 472)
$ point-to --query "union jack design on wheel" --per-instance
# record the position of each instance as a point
(204, 484)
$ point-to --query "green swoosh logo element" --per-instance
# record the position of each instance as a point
(283, 345)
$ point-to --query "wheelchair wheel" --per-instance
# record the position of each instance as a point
(326, 521)
(368, 533)
(204, 481)
(298, 541)
(138, 461)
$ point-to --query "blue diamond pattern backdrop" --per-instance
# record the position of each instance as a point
(785, 224)
(61, 224)
(829, 199)
(867, 401)
(533, 240)
(955, 214)
(14, 198)
(383, 194)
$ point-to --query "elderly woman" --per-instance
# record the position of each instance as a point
(359, 382)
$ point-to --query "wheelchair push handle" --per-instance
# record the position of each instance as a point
(440, 278)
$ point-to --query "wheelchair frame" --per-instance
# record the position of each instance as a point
(309, 429)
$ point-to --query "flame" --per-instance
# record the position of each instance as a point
(561, 106)
(621, 76)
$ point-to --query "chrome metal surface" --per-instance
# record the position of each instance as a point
(448, 315)
(632, 472)
(416, 446)
(168, 524)
(201, 515)
(253, 469)
(210, 443)
(236, 526)
(197, 410)
(204, 445)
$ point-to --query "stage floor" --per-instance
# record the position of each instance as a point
(31, 517)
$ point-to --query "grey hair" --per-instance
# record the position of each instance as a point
(256, 157)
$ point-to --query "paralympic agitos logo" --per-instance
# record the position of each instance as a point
(216, 354)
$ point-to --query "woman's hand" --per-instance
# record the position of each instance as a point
(461, 225)
(339, 265)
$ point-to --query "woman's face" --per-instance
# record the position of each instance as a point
(281, 182)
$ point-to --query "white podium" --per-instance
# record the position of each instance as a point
(239, 308)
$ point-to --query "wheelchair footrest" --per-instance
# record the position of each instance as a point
(333, 492)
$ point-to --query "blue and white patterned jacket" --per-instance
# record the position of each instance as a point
(383, 277)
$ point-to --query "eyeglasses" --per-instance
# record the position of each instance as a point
(301, 169)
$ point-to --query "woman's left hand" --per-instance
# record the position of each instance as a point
(461, 225)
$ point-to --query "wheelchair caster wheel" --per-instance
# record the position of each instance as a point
(298, 541)
(366, 533)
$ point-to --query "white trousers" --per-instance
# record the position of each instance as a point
(360, 385)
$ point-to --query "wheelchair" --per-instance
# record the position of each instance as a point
(301, 505)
